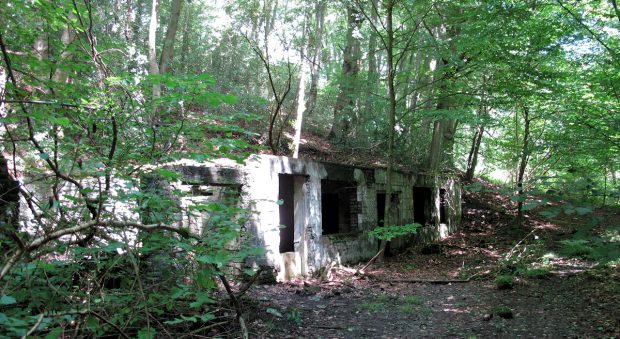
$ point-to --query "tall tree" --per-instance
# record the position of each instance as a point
(315, 43)
(345, 106)
(167, 51)
(152, 47)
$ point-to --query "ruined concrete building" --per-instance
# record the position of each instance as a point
(308, 214)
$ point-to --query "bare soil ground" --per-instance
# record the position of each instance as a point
(449, 289)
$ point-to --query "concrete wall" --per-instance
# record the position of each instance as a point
(258, 180)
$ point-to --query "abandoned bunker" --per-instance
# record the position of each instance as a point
(308, 214)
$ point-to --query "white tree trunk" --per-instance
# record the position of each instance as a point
(301, 107)
(153, 65)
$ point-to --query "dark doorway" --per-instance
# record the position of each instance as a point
(380, 209)
(422, 205)
(381, 215)
(329, 206)
(287, 213)
(442, 206)
(339, 206)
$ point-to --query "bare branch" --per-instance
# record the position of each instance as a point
(46, 238)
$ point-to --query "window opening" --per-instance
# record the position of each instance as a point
(339, 206)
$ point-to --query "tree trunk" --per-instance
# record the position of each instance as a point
(316, 57)
(61, 74)
(373, 73)
(616, 10)
(388, 217)
(345, 103)
(525, 152)
(185, 41)
(41, 47)
(153, 65)
(472, 158)
(434, 156)
(447, 147)
(167, 51)
(301, 89)
(129, 22)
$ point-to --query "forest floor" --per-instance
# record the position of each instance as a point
(560, 287)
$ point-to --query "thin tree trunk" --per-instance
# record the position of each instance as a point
(373, 73)
(525, 152)
(129, 22)
(616, 10)
(41, 47)
(61, 74)
(316, 57)
(167, 52)
(185, 42)
(472, 158)
(301, 89)
(153, 65)
(388, 219)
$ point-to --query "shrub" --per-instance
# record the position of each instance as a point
(504, 282)
(536, 273)
(577, 248)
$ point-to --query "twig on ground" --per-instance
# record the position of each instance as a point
(361, 270)
(429, 281)
(249, 284)
(34, 327)
(236, 304)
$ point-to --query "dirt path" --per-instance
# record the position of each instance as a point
(571, 299)
(555, 307)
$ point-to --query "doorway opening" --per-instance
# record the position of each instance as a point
(442, 206)
(394, 212)
(422, 205)
(286, 198)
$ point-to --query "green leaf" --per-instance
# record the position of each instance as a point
(583, 210)
(201, 298)
(7, 300)
(64, 122)
(529, 205)
(147, 333)
(274, 312)
(44, 156)
(175, 321)
(92, 322)
(207, 317)
(55, 333)
(178, 293)
(550, 213)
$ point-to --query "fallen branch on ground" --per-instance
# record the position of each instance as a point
(429, 281)
(361, 270)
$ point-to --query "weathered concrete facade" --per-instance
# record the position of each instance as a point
(326, 210)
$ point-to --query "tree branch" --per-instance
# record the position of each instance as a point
(44, 239)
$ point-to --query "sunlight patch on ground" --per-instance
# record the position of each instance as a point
(451, 309)
(565, 267)
(544, 225)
